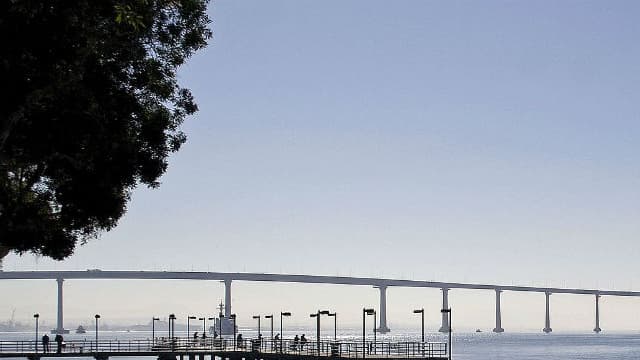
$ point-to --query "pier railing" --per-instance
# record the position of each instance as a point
(345, 349)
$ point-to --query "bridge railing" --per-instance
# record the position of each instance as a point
(325, 348)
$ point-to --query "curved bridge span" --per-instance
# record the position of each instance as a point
(380, 283)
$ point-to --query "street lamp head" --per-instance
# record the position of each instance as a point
(256, 316)
(172, 316)
(286, 313)
(332, 314)
(97, 316)
(420, 311)
(445, 310)
(191, 317)
(369, 311)
(201, 319)
(268, 316)
(156, 319)
(324, 312)
(313, 315)
(36, 315)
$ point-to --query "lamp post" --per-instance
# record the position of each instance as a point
(204, 325)
(97, 316)
(365, 312)
(259, 332)
(449, 312)
(169, 326)
(172, 320)
(375, 331)
(258, 317)
(270, 317)
(37, 317)
(188, 329)
(286, 313)
(317, 316)
(335, 325)
(421, 312)
(153, 329)
(233, 317)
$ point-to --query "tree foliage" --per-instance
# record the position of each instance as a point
(91, 108)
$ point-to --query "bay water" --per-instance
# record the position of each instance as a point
(466, 346)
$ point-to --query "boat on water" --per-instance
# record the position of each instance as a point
(81, 330)
(478, 330)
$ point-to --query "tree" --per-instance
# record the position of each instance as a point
(91, 109)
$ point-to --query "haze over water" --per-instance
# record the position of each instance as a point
(467, 346)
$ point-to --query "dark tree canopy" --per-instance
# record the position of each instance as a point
(90, 109)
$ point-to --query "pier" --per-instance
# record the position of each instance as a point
(222, 349)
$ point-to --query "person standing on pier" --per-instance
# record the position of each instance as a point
(58, 339)
(303, 341)
(45, 343)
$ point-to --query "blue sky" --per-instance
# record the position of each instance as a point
(492, 141)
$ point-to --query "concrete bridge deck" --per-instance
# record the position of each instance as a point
(381, 284)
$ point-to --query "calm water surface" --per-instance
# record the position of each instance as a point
(466, 346)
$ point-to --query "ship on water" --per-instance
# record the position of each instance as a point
(222, 324)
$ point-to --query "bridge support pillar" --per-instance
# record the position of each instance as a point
(60, 320)
(498, 328)
(226, 323)
(444, 327)
(547, 319)
(597, 328)
(227, 299)
(382, 311)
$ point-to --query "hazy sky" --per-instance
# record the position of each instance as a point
(492, 141)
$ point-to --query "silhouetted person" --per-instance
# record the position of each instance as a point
(239, 341)
(195, 336)
(59, 339)
(215, 334)
(204, 336)
(303, 342)
(295, 342)
(276, 341)
(45, 343)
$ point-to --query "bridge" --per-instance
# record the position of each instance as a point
(381, 284)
